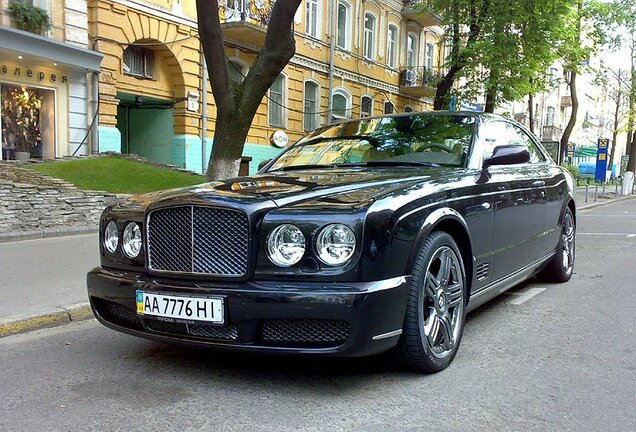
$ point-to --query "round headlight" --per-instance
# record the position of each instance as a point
(335, 244)
(132, 240)
(111, 237)
(285, 245)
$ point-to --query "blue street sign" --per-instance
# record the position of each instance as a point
(601, 160)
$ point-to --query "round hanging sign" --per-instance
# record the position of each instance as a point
(280, 138)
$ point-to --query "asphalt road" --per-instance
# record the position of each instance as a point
(541, 357)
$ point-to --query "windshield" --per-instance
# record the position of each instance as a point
(418, 139)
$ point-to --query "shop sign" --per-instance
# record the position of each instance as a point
(19, 72)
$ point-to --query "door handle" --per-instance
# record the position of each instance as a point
(538, 183)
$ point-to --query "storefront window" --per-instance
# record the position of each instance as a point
(28, 129)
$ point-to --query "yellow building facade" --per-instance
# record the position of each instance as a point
(353, 58)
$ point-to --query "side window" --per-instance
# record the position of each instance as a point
(494, 134)
(523, 139)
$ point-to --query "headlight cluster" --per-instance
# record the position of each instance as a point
(131, 239)
(335, 245)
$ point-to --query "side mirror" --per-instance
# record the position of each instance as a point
(507, 155)
(263, 163)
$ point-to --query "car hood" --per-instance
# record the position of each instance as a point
(334, 186)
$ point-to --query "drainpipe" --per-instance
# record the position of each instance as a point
(204, 112)
(95, 123)
(332, 49)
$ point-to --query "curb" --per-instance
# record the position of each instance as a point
(46, 233)
(76, 312)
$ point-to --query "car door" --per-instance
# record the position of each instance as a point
(519, 203)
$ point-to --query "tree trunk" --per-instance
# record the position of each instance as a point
(565, 139)
(631, 164)
(237, 103)
(531, 112)
(444, 88)
(617, 110)
(491, 99)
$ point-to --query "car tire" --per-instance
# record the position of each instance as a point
(561, 266)
(436, 306)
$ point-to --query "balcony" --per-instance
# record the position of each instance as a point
(551, 133)
(419, 81)
(245, 21)
(417, 10)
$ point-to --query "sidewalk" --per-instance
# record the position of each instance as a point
(43, 281)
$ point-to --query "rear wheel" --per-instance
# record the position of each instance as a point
(436, 306)
(562, 264)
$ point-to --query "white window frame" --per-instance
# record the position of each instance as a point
(414, 50)
(347, 31)
(316, 113)
(283, 102)
(341, 91)
(313, 18)
(430, 57)
(362, 113)
(369, 49)
(391, 51)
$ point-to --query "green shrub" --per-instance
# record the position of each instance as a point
(574, 170)
(30, 18)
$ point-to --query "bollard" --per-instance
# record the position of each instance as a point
(616, 191)
(603, 194)
(595, 192)
(587, 186)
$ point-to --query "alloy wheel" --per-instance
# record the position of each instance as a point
(443, 301)
(567, 242)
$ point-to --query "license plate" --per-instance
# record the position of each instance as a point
(209, 309)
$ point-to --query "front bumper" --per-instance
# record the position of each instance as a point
(338, 319)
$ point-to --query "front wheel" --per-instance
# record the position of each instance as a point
(436, 306)
(560, 268)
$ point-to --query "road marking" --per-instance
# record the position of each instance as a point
(628, 235)
(523, 297)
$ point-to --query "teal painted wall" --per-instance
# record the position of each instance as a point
(259, 153)
(150, 132)
(109, 139)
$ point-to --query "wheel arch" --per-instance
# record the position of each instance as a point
(452, 223)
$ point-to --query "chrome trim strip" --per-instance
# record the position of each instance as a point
(387, 335)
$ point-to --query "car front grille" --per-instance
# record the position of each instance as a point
(198, 240)
(229, 333)
(305, 331)
(117, 313)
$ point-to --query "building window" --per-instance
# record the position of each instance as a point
(388, 107)
(408, 109)
(369, 36)
(344, 25)
(430, 55)
(311, 18)
(549, 116)
(276, 99)
(236, 71)
(366, 106)
(340, 105)
(312, 103)
(139, 62)
(411, 50)
(391, 46)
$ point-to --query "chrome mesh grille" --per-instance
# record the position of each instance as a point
(205, 240)
(305, 330)
(229, 333)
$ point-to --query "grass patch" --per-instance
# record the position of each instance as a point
(116, 175)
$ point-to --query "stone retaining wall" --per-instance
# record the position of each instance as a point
(32, 201)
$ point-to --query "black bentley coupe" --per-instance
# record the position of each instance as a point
(364, 236)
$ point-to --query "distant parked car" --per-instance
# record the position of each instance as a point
(365, 236)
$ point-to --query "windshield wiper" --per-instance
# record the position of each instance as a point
(402, 163)
(301, 167)
(373, 141)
